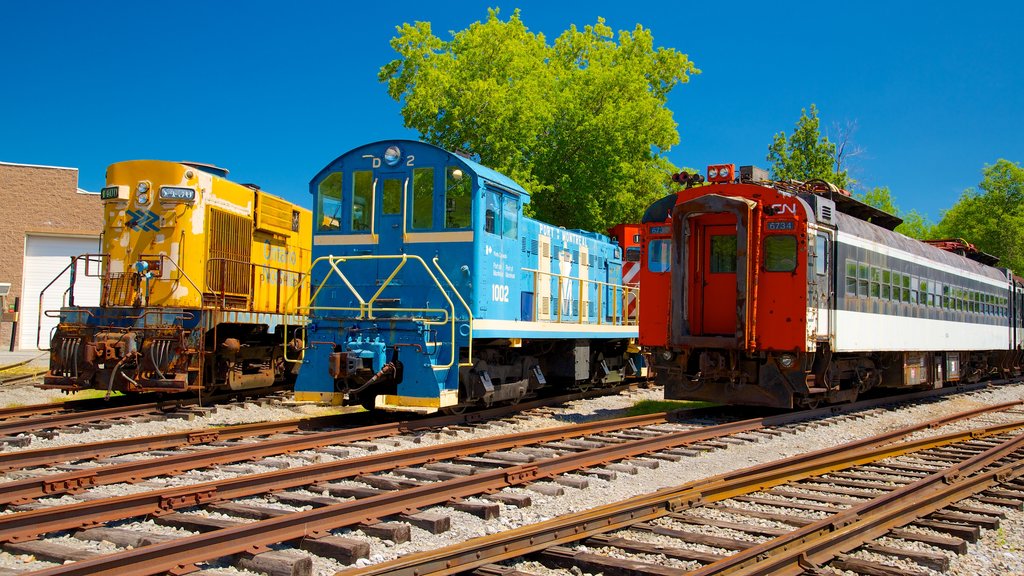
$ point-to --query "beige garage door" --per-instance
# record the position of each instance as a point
(45, 258)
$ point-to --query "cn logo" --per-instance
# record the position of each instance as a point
(143, 220)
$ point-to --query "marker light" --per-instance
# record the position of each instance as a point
(721, 173)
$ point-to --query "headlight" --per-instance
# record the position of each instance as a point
(712, 173)
(667, 355)
(392, 155)
(177, 194)
(787, 360)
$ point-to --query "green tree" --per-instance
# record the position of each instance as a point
(914, 223)
(806, 155)
(992, 217)
(581, 122)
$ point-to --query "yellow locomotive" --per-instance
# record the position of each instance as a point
(201, 282)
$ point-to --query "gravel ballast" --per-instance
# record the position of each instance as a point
(998, 553)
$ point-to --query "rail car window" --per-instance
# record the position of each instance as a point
(457, 198)
(723, 254)
(329, 193)
(633, 254)
(876, 279)
(510, 217)
(392, 196)
(780, 253)
(362, 199)
(422, 198)
(659, 255)
(851, 278)
(492, 217)
(821, 255)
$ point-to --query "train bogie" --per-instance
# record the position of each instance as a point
(431, 290)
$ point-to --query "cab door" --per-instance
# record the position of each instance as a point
(714, 277)
(390, 209)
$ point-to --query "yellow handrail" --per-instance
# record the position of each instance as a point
(469, 311)
(366, 308)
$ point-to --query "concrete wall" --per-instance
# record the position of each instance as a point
(40, 200)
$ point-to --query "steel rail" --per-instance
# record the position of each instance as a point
(84, 411)
(31, 409)
(20, 377)
(822, 541)
(30, 524)
(72, 418)
(569, 528)
(27, 489)
(48, 456)
(253, 537)
(21, 491)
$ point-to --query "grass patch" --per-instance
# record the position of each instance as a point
(88, 395)
(655, 406)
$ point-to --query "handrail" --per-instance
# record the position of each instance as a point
(250, 294)
(39, 318)
(469, 311)
(366, 307)
(627, 319)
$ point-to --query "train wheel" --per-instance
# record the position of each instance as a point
(454, 410)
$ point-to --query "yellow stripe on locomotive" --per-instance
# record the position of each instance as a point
(200, 276)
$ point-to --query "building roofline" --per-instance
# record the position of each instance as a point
(2, 163)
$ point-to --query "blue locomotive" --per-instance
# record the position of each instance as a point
(430, 290)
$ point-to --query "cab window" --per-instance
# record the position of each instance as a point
(633, 254)
(780, 253)
(362, 199)
(723, 254)
(392, 196)
(510, 217)
(457, 198)
(821, 257)
(659, 254)
(422, 198)
(492, 216)
(330, 204)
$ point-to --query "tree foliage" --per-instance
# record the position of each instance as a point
(806, 155)
(581, 122)
(992, 217)
(914, 223)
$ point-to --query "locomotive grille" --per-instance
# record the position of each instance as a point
(826, 213)
(227, 271)
(274, 215)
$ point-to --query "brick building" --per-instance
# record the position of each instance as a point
(44, 220)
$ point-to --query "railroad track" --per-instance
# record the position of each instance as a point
(786, 517)
(394, 484)
(98, 413)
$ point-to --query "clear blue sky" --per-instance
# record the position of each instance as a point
(275, 90)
